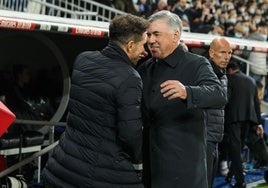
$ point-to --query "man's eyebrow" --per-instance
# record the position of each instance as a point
(156, 32)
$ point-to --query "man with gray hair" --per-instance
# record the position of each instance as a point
(178, 85)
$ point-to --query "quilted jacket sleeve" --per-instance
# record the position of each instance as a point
(129, 117)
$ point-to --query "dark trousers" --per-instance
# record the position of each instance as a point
(212, 161)
(237, 133)
(223, 148)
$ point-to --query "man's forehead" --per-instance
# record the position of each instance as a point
(158, 26)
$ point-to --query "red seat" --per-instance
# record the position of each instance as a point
(6, 118)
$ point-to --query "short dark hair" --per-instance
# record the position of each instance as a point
(124, 28)
(233, 65)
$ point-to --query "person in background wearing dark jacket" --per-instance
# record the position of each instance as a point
(241, 113)
(220, 53)
(177, 86)
(18, 96)
(103, 137)
(257, 142)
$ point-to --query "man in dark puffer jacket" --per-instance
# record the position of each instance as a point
(103, 137)
(220, 53)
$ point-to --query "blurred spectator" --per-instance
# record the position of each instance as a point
(260, 87)
(264, 8)
(257, 18)
(227, 5)
(248, 28)
(180, 8)
(239, 17)
(259, 70)
(130, 7)
(217, 14)
(208, 19)
(217, 30)
(236, 31)
(120, 5)
(194, 15)
(171, 3)
(242, 9)
(232, 16)
(144, 8)
(252, 8)
(222, 19)
(162, 5)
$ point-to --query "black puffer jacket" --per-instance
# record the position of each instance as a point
(104, 132)
(214, 118)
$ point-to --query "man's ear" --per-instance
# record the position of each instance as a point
(211, 52)
(176, 36)
(130, 46)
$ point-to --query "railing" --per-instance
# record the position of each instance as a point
(78, 9)
(38, 153)
(16, 5)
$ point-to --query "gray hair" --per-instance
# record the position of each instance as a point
(173, 20)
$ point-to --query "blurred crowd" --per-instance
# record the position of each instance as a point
(234, 18)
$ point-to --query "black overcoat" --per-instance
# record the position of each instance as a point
(175, 144)
(241, 88)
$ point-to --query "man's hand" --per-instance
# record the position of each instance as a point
(173, 89)
(259, 130)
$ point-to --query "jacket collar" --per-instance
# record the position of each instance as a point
(113, 51)
(219, 72)
(172, 59)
